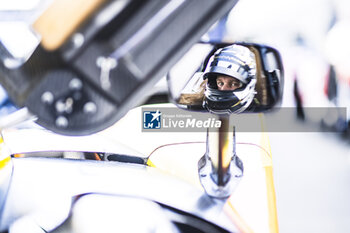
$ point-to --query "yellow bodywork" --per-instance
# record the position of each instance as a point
(252, 207)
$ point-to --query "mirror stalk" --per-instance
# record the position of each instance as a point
(220, 169)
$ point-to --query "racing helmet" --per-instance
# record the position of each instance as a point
(235, 61)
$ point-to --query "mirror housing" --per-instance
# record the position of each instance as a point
(196, 92)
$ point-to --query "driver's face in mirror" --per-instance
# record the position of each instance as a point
(227, 83)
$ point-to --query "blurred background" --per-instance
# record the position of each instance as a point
(311, 170)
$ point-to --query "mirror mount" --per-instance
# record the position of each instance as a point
(233, 79)
(220, 169)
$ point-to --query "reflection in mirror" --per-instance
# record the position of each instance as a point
(233, 78)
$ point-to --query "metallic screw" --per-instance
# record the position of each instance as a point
(106, 64)
(75, 84)
(78, 40)
(60, 106)
(62, 122)
(90, 107)
(47, 97)
(65, 106)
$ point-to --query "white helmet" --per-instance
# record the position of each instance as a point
(235, 61)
